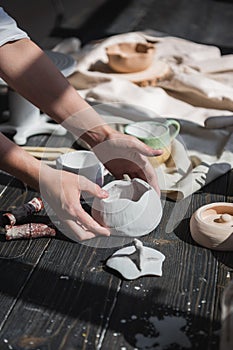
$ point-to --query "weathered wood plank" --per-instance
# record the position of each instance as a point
(182, 301)
(225, 274)
(226, 341)
(220, 186)
(69, 299)
(230, 185)
(67, 302)
(17, 258)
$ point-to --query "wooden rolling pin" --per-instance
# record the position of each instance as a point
(47, 153)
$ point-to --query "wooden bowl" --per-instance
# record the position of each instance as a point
(130, 57)
(212, 226)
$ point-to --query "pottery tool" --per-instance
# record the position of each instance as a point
(47, 153)
(14, 222)
(136, 261)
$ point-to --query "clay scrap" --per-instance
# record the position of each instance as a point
(16, 227)
(17, 215)
(137, 260)
(30, 230)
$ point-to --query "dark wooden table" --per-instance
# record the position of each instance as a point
(56, 294)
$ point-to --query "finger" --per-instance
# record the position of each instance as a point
(85, 220)
(75, 232)
(145, 150)
(155, 185)
(146, 172)
(92, 188)
(151, 177)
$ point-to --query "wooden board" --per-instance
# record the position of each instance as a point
(179, 303)
(59, 295)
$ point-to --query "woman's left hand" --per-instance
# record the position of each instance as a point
(122, 154)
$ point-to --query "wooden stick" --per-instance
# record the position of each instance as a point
(49, 153)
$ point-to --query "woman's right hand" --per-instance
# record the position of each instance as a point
(62, 191)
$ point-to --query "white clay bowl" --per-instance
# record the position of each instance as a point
(132, 209)
(212, 226)
(130, 57)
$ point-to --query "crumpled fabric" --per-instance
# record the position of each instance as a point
(198, 93)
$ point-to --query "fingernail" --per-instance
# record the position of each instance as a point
(158, 151)
(104, 231)
(104, 193)
(107, 233)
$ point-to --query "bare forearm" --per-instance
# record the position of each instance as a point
(28, 70)
(15, 161)
(35, 77)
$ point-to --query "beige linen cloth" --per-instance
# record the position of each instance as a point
(198, 93)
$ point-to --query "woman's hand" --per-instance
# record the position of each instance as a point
(62, 191)
(122, 154)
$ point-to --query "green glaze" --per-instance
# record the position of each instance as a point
(155, 134)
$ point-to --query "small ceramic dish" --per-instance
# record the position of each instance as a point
(130, 57)
(212, 226)
(132, 209)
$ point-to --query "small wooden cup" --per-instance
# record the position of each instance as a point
(212, 226)
(130, 57)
